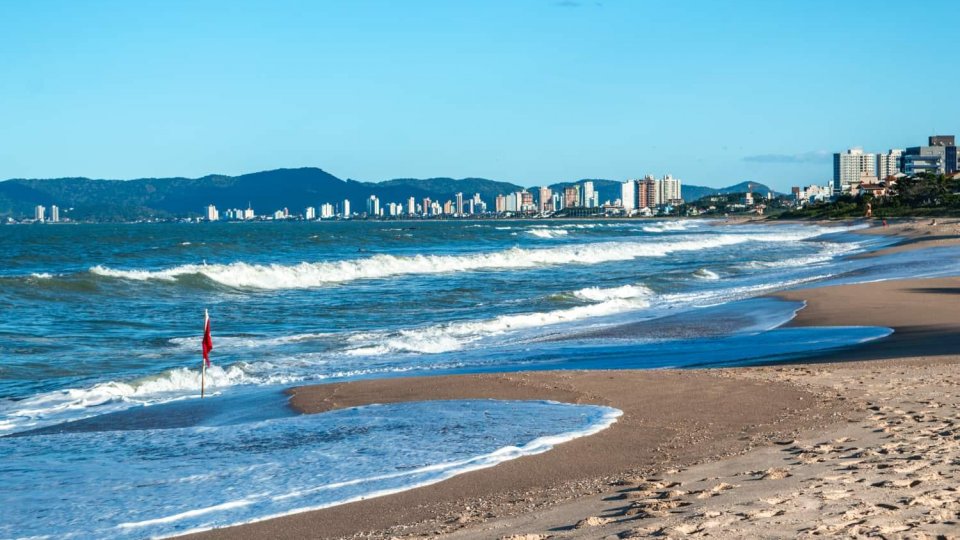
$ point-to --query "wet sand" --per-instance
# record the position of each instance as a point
(862, 441)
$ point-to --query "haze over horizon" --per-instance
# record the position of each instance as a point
(531, 93)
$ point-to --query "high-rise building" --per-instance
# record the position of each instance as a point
(373, 206)
(587, 194)
(39, 213)
(648, 192)
(546, 202)
(448, 208)
(571, 196)
(411, 206)
(628, 195)
(459, 204)
(427, 206)
(326, 211)
(310, 213)
(526, 202)
(212, 214)
(249, 213)
(889, 164)
(669, 189)
(849, 166)
(54, 214)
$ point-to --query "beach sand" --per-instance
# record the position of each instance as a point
(862, 441)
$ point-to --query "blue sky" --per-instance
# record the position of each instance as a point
(531, 92)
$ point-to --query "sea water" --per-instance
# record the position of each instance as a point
(100, 327)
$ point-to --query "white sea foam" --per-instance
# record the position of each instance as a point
(41, 275)
(242, 342)
(705, 273)
(596, 294)
(540, 232)
(305, 275)
(448, 337)
(670, 226)
(73, 403)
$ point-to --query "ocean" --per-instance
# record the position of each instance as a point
(100, 329)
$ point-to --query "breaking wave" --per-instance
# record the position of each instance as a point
(316, 274)
(547, 233)
(448, 337)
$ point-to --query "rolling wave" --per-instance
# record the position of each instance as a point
(242, 275)
(448, 337)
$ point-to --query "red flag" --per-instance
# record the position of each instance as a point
(207, 339)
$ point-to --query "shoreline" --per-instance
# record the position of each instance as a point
(682, 420)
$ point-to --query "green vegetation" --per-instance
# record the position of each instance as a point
(924, 195)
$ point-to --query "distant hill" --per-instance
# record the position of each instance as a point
(266, 191)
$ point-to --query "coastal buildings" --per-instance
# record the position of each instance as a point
(212, 214)
(850, 166)
(889, 164)
(54, 214)
(39, 213)
(373, 206)
(310, 213)
(938, 157)
(546, 200)
(628, 196)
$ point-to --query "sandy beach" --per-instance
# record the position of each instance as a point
(861, 441)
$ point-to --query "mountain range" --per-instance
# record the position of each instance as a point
(121, 200)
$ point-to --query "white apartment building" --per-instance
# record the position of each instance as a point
(889, 164)
(212, 214)
(669, 189)
(54, 214)
(39, 213)
(310, 213)
(850, 166)
(628, 196)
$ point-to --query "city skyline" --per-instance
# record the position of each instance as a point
(522, 92)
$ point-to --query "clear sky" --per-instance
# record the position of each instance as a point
(525, 91)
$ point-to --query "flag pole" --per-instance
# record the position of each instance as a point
(203, 360)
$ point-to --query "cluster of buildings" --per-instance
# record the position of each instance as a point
(856, 172)
(40, 214)
(646, 196)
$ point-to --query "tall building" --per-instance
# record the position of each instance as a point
(545, 199)
(326, 211)
(500, 204)
(628, 195)
(571, 196)
(459, 204)
(526, 202)
(310, 213)
(346, 209)
(669, 189)
(39, 213)
(849, 166)
(411, 206)
(373, 206)
(889, 164)
(212, 214)
(54, 214)
(648, 192)
(249, 213)
(587, 194)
